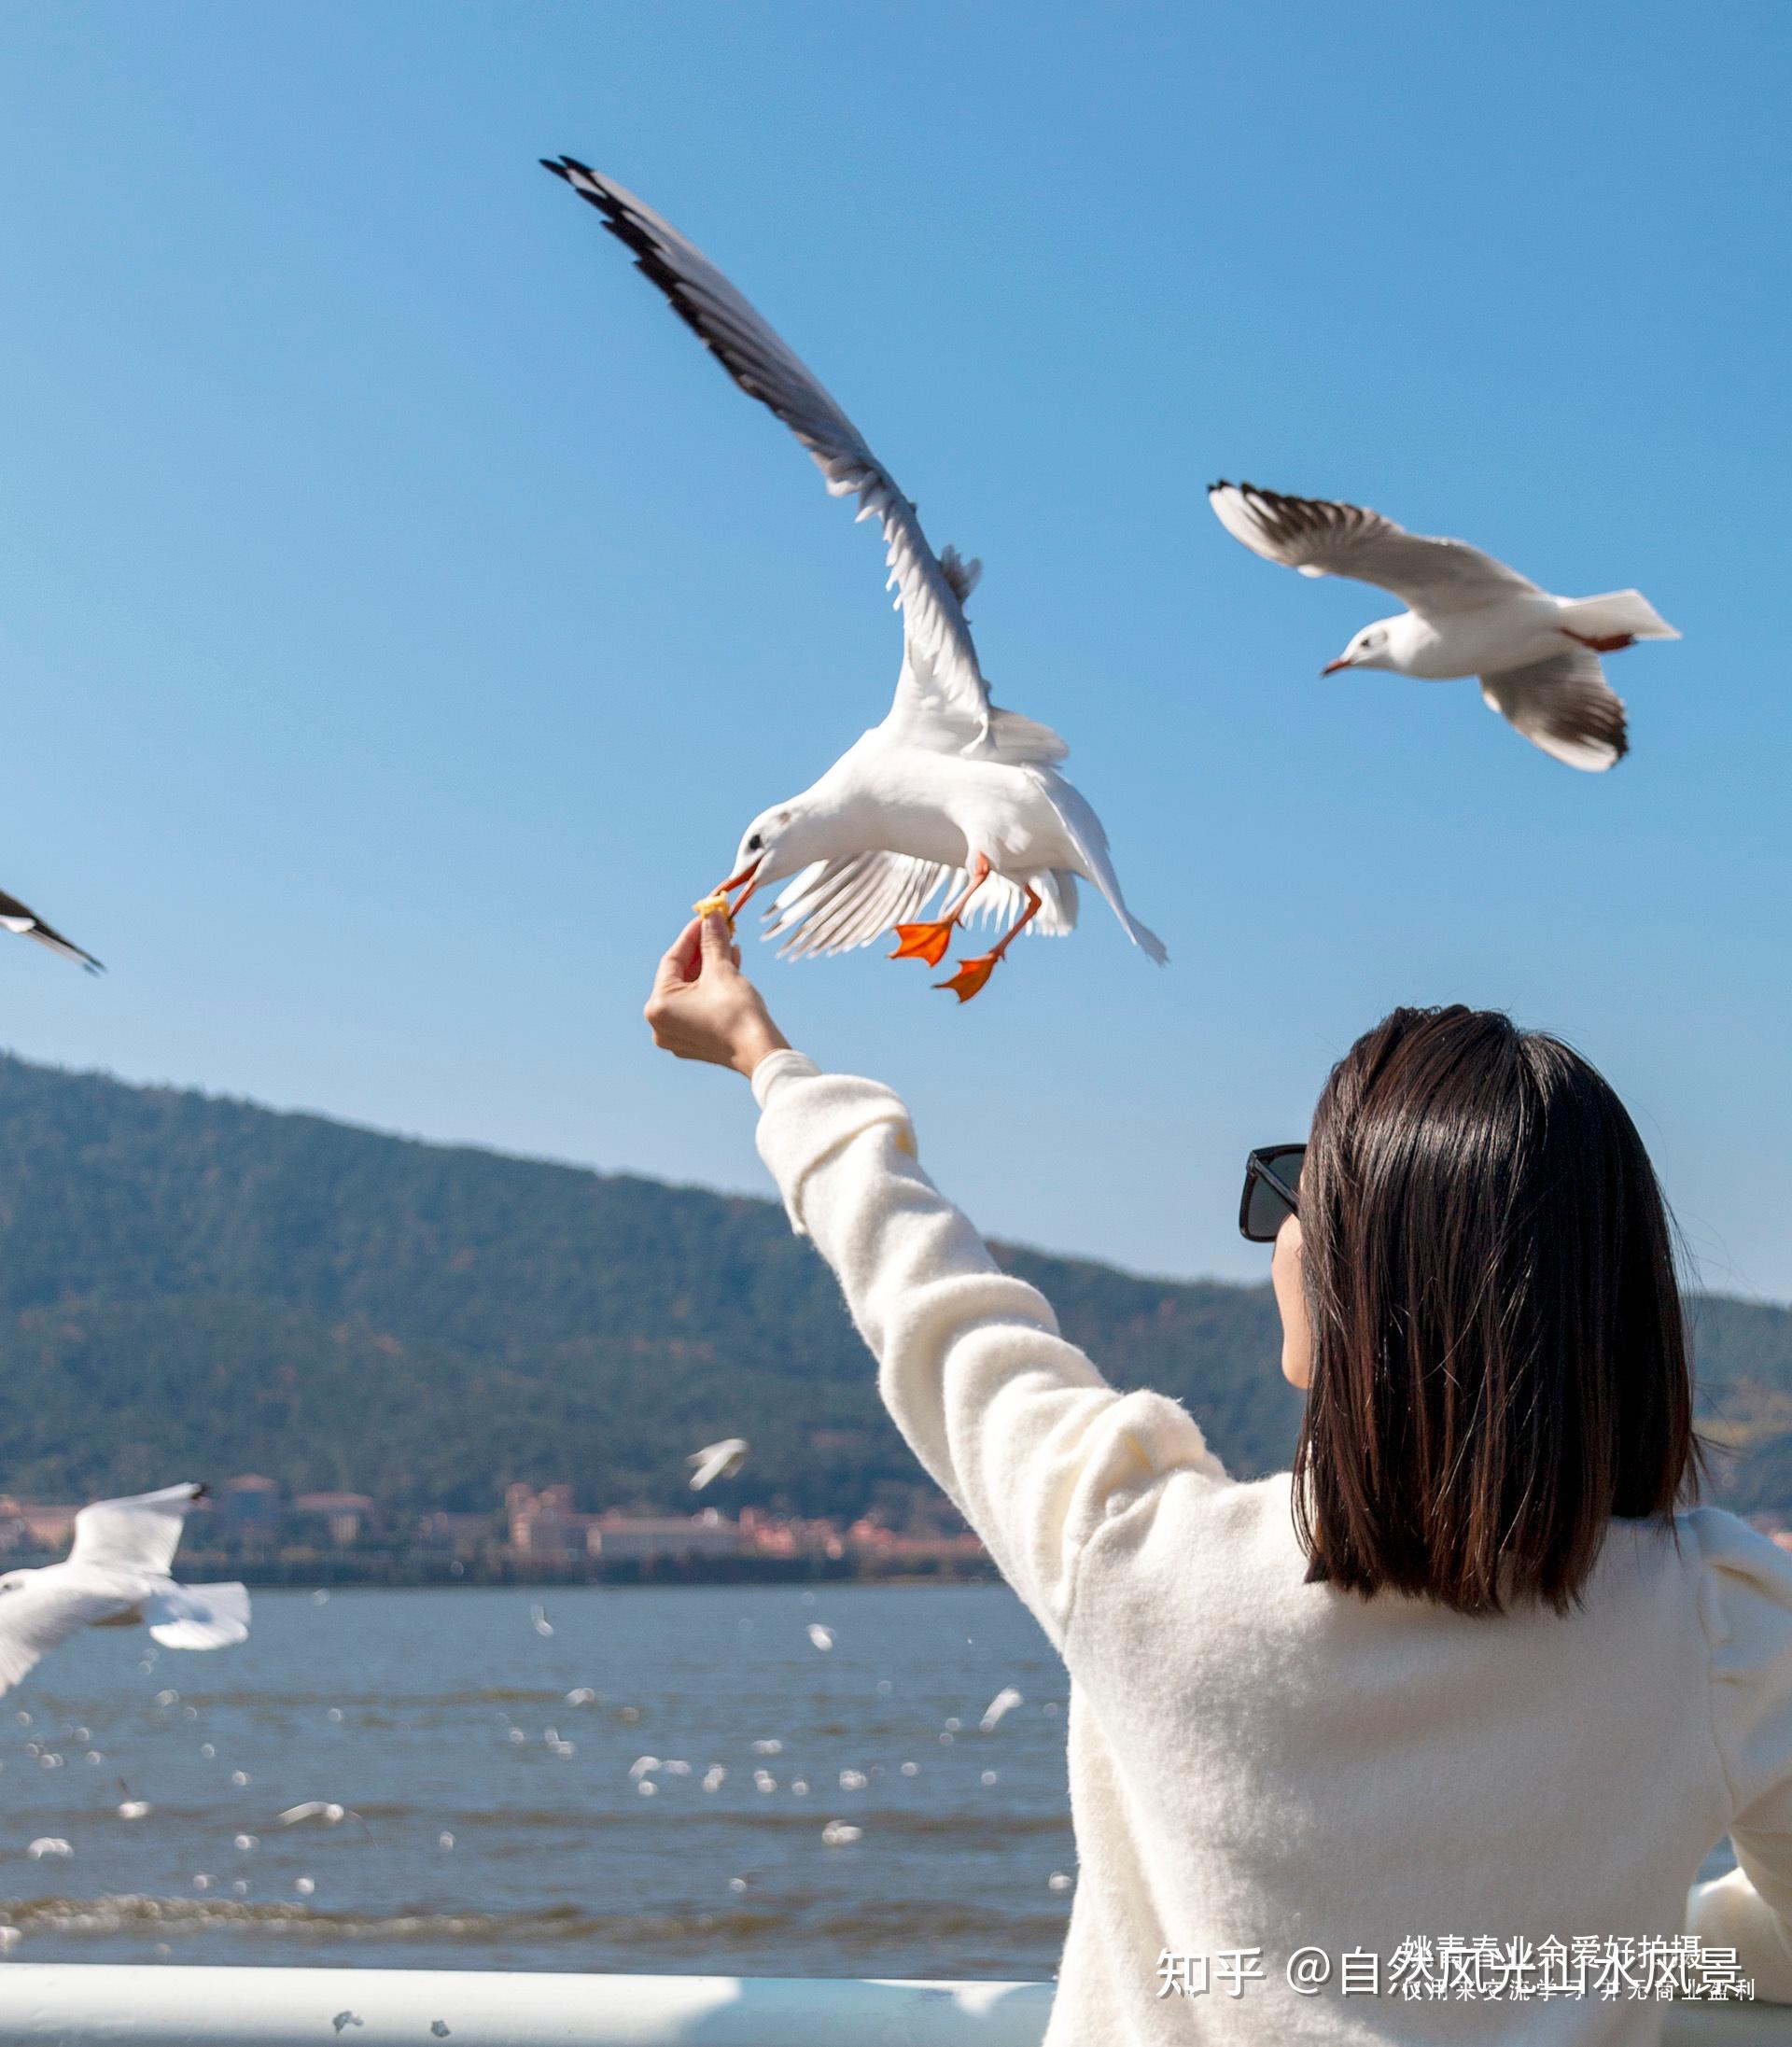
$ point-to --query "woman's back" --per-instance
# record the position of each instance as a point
(1425, 1742)
(1282, 1766)
(1485, 1822)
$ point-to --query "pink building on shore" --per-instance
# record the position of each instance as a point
(345, 1515)
(544, 1526)
(26, 1525)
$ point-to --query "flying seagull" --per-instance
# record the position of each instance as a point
(951, 795)
(26, 923)
(1536, 655)
(116, 1574)
(717, 1461)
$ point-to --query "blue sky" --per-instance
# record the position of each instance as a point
(400, 617)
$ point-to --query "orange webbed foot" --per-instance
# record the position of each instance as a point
(927, 942)
(972, 976)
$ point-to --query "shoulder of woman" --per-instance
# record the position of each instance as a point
(1748, 1577)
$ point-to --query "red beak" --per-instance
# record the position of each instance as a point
(1331, 667)
(734, 882)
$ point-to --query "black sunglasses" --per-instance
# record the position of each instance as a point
(1271, 1191)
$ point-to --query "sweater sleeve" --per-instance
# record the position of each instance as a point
(1016, 1425)
(1747, 1611)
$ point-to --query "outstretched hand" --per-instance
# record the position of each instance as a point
(704, 1007)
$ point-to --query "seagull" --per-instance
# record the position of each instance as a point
(118, 1574)
(327, 1810)
(998, 1708)
(1536, 655)
(24, 922)
(951, 794)
(717, 1461)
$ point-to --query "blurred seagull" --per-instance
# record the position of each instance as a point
(717, 1461)
(116, 1574)
(327, 1810)
(26, 923)
(1536, 655)
(950, 793)
(998, 1708)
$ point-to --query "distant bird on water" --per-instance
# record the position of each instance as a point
(116, 1574)
(26, 923)
(1536, 655)
(951, 794)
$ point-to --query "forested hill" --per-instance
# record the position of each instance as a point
(197, 1286)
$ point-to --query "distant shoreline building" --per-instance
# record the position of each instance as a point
(347, 1516)
(250, 1525)
(26, 1525)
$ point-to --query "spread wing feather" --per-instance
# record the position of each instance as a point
(1566, 706)
(1322, 537)
(836, 905)
(24, 922)
(139, 1534)
(942, 668)
(38, 1614)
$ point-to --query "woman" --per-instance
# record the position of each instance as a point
(1425, 1741)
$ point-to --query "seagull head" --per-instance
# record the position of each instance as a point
(1370, 649)
(776, 845)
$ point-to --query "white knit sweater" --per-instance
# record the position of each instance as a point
(1258, 1763)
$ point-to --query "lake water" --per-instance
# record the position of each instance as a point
(498, 1825)
(492, 1823)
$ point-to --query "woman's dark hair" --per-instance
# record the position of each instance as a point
(1499, 1352)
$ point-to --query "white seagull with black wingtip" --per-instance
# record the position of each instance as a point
(117, 1575)
(950, 793)
(1536, 655)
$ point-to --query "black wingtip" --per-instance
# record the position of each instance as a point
(548, 163)
(1222, 484)
(202, 1490)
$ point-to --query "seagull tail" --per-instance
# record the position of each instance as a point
(198, 1617)
(1143, 937)
(1618, 611)
(1091, 842)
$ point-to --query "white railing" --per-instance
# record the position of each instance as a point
(84, 2004)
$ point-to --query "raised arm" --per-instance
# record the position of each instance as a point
(1016, 1424)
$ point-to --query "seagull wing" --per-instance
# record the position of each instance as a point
(717, 1461)
(138, 1534)
(1566, 706)
(45, 1610)
(942, 682)
(1323, 539)
(311, 1808)
(836, 904)
(17, 918)
(198, 1617)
